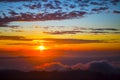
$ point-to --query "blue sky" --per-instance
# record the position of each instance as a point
(98, 13)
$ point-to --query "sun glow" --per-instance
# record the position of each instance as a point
(41, 48)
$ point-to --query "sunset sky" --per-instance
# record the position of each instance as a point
(37, 32)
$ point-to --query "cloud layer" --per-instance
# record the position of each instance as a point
(37, 10)
(98, 61)
(97, 66)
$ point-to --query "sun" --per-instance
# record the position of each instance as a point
(41, 48)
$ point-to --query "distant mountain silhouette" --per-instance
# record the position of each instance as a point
(57, 75)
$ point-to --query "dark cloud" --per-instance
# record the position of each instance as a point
(96, 3)
(5, 23)
(102, 29)
(49, 5)
(8, 26)
(13, 27)
(50, 40)
(100, 8)
(99, 29)
(38, 17)
(98, 32)
(114, 2)
(34, 6)
(101, 66)
(116, 11)
(73, 41)
(19, 38)
(76, 30)
(44, 0)
(63, 32)
(13, 13)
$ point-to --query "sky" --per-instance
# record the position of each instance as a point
(40, 34)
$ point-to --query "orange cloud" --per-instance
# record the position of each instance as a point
(52, 66)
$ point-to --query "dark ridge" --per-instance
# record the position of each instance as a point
(57, 75)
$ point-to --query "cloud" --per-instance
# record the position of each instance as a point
(39, 10)
(116, 12)
(96, 66)
(28, 44)
(72, 41)
(115, 2)
(98, 29)
(96, 3)
(101, 66)
(76, 30)
(13, 13)
(102, 29)
(22, 61)
(53, 66)
(5, 24)
(38, 17)
(17, 30)
(100, 8)
(19, 38)
(63, 32)
(50, 40)
(79, 66)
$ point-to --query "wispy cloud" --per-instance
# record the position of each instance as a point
(49, 41)
(72, 41)
(18, 30)
(19, 38)
(25, 43)
(63, 32)
(76, 30)
(5, 24)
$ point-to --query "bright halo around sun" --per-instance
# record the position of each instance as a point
(41, 48)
